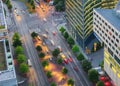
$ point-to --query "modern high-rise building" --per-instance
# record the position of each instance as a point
(7, 71)
(79, 15)
(106, 24)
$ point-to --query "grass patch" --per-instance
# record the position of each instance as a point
(2, 27)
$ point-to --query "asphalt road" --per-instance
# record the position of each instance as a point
(26, 23)
(39, 78)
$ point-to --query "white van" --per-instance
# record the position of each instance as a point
(29, 63)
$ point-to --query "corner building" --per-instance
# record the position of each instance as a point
(106, 24)
(79, 15)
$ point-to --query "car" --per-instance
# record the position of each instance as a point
(45, 19)
(99, 70)
(62, 56)
(45, 36)
(29, 63)
(52, 42)
(70, 59)
(54, 33)
(75, 68)
(60, 49)
(38, 37)
(66, 61)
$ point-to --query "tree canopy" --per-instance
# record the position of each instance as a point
(21, 58)
(19, 50)
(93, 75)
(24, 68)
(75, 49)
(86, 65)
(55, 52)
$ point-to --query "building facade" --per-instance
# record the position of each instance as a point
(7, 71)
(106, 24)
(79, 15)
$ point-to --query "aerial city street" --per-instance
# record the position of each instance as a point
(59, 43)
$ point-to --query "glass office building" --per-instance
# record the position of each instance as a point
(79, 15)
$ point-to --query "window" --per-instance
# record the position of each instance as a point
(10, 63)
(109, 44)
(117, 40)
(113, 48)
(115, 44)
(112, 30)
(116, 33)
(116, 51)
(113, 36)
(117, 59)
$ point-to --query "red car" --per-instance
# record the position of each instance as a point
(70, 59)
(66, 61)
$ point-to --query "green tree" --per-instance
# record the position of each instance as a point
(59, 60)
(70, 82)
(24, 68)
(66, 35)
(9, 6)
(17, 42)
(21, 58)
(86, 65)
(93, 75)
(49, 74)
(39, 48)
(100, 83)
(15, 36)
(75, 49)
(55, 52)
(102, 64)
(64, 70)
(70, 41)
(33, 34)
(19, 50)
(53, 84)
(56, 2)
(62, 30)
(41, 55)
(33, 7)
(45, 63)
(80, 57)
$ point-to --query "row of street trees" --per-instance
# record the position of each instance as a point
(19, 53)
(45, 63)
(86, 65)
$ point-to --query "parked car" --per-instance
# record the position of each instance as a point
(100, 71)
(29, 63)
(60, 49)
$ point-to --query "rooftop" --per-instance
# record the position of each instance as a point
(111, 16)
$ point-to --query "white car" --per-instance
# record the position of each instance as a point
(52, 42)
(45, 19)
(59, 47)
(29, 63)
(45, 36)
(100, 71)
